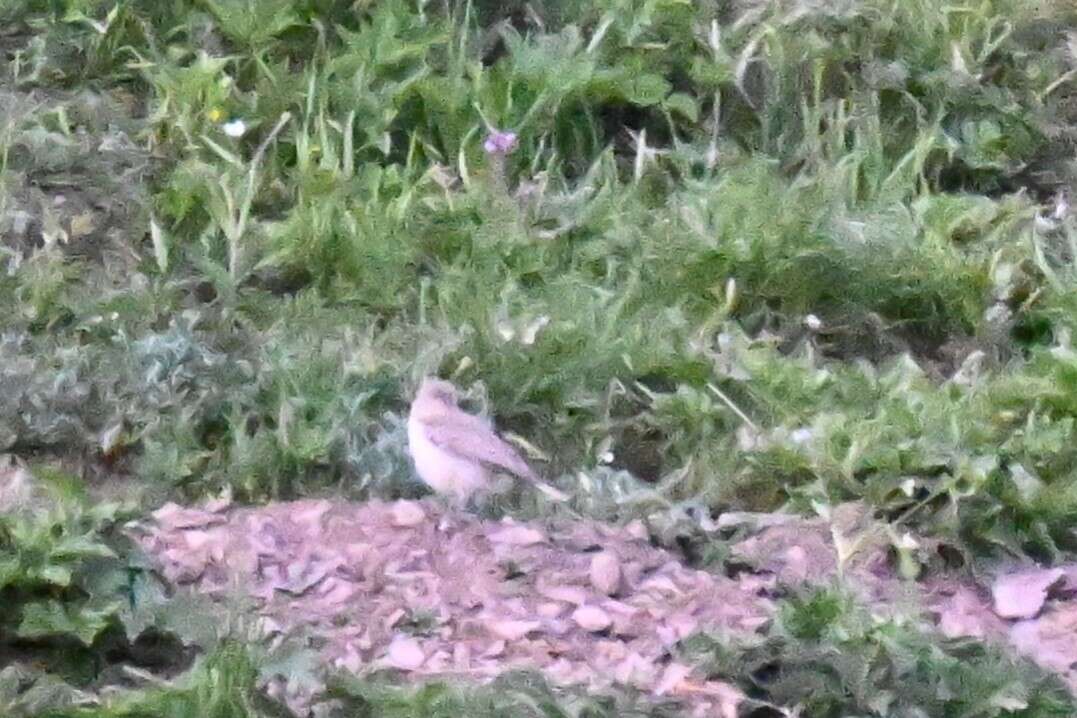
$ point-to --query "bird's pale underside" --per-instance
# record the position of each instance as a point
(456, 453)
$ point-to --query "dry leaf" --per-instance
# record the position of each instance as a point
(591, 618)
(222, 501)
(754, 520)
(171, 516)
(408, 514)
(16, 484)
(513, 630)
(550, 609)
(796, 563)
(461, 656)
(661, 584)
(569, 594)
(964, 614)
(111, 438)
(672, 678)
(81, 225)
(1049, 640)
(186, 565)
(351, 660)
(438, 662)
(1069, 581)
(406, 654)
(729, 698)
(303, 576)
(336, 592)
(269, 627)
(605, 573)
(199, 540)
(495, 649)
(309, 513)
(1021, 595)
(681, 625)
(518, 536)
(633, 670)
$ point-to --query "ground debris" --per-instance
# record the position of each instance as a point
(410, 586)
(405, 586)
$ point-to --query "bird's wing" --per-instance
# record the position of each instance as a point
(472, 438)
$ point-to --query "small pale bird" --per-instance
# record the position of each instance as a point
(456, 453)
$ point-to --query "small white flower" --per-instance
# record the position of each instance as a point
(906, 541)
(505, 330)
(801, 436)
(604, 450)
(235, 128)
(749, 439)
(531, 331)
(1044, 224)
(998, 313)
(813, 322)
(1028, 485)
(1062, 206)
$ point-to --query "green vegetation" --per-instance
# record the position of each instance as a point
(748, 255)
(834, 659)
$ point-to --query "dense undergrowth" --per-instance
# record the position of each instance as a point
(749, 255)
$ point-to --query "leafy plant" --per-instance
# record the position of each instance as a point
(221, 684)
(73, 590)
(517, 694)
(826, 656)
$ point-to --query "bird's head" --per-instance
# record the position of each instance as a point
(436, 391)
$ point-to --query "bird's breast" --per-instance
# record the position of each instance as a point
(441, 470)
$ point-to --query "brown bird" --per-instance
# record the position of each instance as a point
(456, 453)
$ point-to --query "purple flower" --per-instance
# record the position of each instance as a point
(499, 143)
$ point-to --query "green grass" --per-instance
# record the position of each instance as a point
(741, 248)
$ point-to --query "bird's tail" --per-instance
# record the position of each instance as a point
(527, 473)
